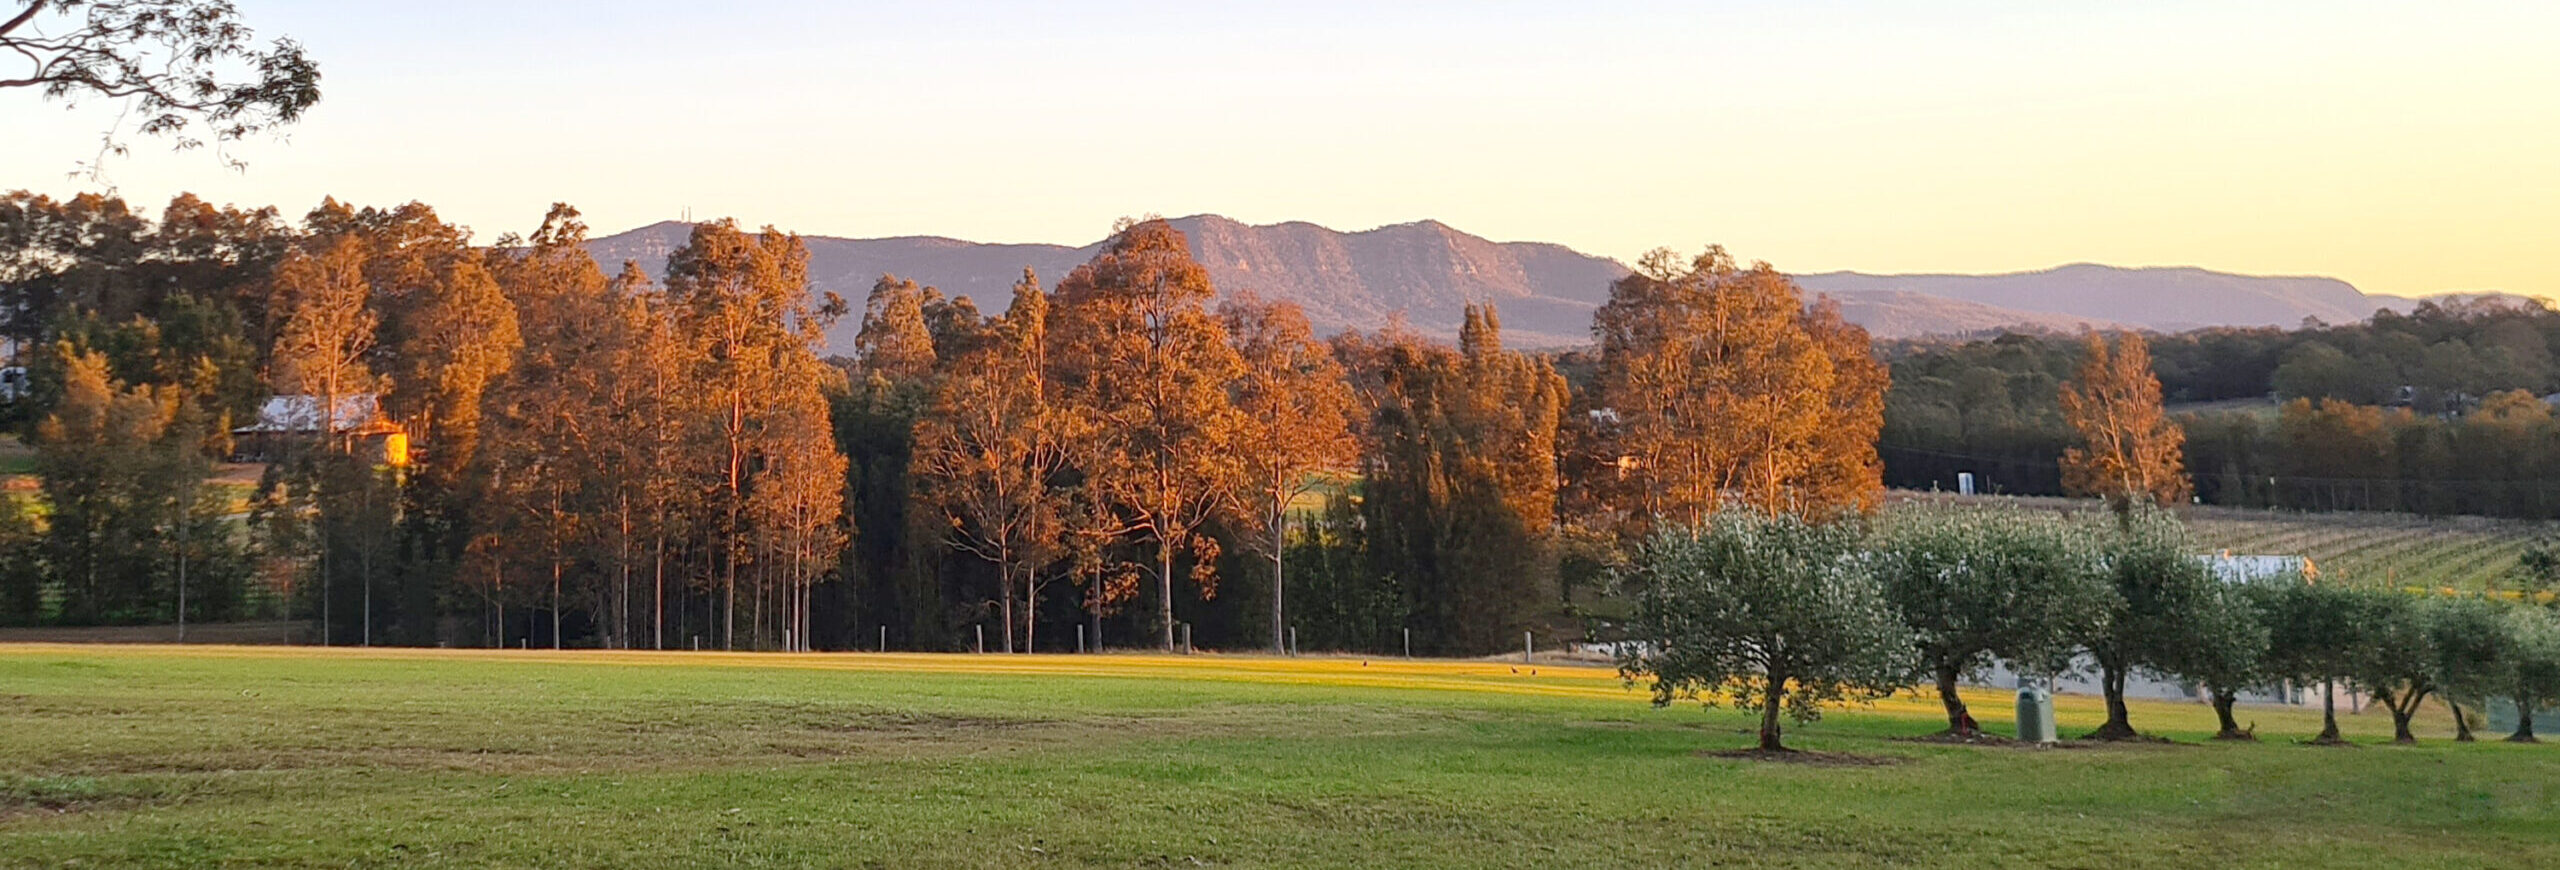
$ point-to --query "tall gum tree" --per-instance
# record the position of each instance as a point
(988, 453)
(741, 299)
(1296, 409)
(1140, 360)
(1717, 384)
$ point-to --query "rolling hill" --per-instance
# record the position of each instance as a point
(2163, 298)
(1426, 272)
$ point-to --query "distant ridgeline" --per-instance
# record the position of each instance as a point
(2444, 409)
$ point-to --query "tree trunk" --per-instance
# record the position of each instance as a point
(1004, 573)
(1279, 580)
(729, 533)
(2223, 699)
(1093, 607)
(1164, 586)
(2524, 722)
(364, 569)
(658, 599)
(1957, 716)
(1769, 714)
(2403, 709)
(2119, 724)
(2328, 713)
(183, 503)
(2461, 726)
(555, 604)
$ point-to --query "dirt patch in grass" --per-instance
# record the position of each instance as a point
(1978, 738)
(1805, 757)
(1995, 741)
(56, 795)
(910, 722)
(2135, 740)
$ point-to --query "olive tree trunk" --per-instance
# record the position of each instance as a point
(1958, 718)
(2328, 713)
(1769, 714)
(2223, 699)
(2119, 721)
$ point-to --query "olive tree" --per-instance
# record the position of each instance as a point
(2232, 658)
(2167, 615)
(1769, 613)
(2313, 636)
(2472, 661)
(2533, 642)
(1974, 585)
(2394, 656)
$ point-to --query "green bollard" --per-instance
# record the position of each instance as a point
(2035, 715)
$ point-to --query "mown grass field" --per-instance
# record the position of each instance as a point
(298, 757)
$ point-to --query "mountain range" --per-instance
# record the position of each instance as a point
(1426, 272)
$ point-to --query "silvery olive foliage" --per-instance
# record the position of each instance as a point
(1978, 584)
(2533, 638)
(2169, 614)
(1763, 612)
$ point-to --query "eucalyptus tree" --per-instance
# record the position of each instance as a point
(1296, 406)
(741, 300)
(1723, 386)
(986, 454)
(1144, 368)
(188, 69)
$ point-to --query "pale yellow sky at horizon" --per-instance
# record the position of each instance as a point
(2407, 148)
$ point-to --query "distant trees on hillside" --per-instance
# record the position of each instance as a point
(2436, 411)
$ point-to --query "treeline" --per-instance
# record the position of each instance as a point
(597, 458)
(589, 455)
(2429, 412)
(1783, 617)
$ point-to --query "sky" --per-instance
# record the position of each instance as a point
(2409, 148)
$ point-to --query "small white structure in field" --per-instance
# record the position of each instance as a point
(2242, 568)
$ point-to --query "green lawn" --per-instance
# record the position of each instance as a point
(278, 756)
